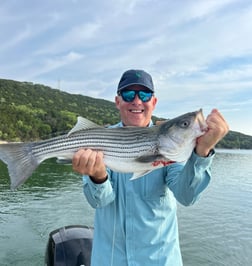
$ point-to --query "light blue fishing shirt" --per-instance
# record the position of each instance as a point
(135, 220)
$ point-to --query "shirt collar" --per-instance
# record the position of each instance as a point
(120, 124)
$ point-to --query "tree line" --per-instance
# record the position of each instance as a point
(33, 111)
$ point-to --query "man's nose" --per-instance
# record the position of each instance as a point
(137, 100)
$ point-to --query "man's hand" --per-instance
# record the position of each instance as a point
(217, 129)
(89, 162)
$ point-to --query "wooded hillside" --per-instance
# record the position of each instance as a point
(33, 111)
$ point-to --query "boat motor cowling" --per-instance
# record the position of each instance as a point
(69, 246)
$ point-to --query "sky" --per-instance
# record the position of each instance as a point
(199, 52)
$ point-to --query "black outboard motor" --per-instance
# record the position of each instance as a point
(69, 246)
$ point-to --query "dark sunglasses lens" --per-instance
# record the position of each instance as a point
(144, 96)
(128, 96)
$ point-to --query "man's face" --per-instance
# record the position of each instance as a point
(137, 112)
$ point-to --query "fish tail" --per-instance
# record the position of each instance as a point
(20, 161)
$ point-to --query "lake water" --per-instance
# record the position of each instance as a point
(217, 230)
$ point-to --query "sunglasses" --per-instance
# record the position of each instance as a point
(129, 95)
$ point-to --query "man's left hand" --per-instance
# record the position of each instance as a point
(217, 129)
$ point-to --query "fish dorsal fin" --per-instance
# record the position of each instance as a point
(82, 123)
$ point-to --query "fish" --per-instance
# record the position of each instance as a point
(139, 150)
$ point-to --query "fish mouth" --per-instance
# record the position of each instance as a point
(202, 122)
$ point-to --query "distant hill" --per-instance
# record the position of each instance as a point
(33, 111)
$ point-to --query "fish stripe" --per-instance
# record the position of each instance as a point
(120, 145)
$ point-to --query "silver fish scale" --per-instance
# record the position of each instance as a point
(114, 142)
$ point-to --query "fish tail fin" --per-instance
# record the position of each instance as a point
(20, 161)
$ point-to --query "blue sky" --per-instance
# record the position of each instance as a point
(198, 52)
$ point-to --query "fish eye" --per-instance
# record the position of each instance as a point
(184, 123)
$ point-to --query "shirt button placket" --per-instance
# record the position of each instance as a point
(128, 224)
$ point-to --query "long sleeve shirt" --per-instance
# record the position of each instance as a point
(136, 221)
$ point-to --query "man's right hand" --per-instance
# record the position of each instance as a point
(89, 162)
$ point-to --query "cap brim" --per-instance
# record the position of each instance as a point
(134, 83)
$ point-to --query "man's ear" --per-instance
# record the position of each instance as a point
(155, 101)
(117, 102)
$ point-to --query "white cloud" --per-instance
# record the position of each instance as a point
(59, 61)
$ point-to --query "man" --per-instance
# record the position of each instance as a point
(135, 221)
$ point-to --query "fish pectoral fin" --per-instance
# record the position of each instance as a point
(63, 160)
(82, 123)
(149, 158)
(139, 174)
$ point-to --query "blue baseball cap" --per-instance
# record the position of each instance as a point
(135, 77)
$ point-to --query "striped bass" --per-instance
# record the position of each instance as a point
(141, 149)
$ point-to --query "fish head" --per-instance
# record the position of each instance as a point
(177, 137)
